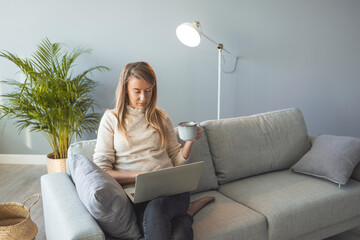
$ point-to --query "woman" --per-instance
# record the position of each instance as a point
(138, 137)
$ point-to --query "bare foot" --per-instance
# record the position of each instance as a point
(195, 206)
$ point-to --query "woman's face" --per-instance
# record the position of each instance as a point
(139, 93)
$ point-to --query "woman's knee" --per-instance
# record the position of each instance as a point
(159, 209)
(168, 207)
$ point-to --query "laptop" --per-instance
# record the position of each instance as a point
(165, 182)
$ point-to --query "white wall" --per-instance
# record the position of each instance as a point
(297, 53)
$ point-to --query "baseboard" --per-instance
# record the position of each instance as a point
(22, 159)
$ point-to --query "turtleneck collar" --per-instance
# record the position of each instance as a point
(135, 110)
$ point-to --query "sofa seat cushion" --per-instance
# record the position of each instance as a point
(295, 204)
(246, 146)
(226, 219)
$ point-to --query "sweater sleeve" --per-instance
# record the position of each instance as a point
(104, 155)
(173, 147)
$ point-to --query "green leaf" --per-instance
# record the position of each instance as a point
(50, 100)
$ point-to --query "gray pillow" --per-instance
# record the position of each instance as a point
(331, 157)
(356, 173)
(104, 198)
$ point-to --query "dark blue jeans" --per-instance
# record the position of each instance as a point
(166, 218)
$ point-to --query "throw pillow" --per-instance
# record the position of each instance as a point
(104, 198)
(331, 157)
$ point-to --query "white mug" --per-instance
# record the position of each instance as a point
(187, 130)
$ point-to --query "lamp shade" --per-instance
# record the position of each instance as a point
(189, 34)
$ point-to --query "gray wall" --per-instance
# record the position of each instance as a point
(302, 53)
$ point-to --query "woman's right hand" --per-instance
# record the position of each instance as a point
(123, 177)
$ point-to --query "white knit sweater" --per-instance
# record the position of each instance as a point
(143, 152)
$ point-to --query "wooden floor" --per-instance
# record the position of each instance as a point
(18, 182)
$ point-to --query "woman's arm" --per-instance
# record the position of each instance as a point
(123, 177)
(104, 152)
(104, 155)
(177, 154)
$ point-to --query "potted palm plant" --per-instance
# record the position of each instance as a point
(52, 99)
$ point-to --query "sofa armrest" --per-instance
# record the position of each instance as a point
(65, 216)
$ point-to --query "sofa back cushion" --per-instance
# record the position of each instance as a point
(200, 152)
(247, 146)
(85, 148)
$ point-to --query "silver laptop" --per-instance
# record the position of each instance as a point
(165, 182)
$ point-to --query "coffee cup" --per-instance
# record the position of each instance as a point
(187, 130)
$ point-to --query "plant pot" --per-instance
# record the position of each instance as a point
(55, 165)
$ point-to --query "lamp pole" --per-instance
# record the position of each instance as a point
(220, 48)
(189, 34)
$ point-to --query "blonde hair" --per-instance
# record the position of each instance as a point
(154, 116)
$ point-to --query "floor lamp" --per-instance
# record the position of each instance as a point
(190, 35)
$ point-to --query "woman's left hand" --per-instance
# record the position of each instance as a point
(198, 133)
(188, 144)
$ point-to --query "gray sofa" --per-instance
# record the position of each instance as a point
(247, 169)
